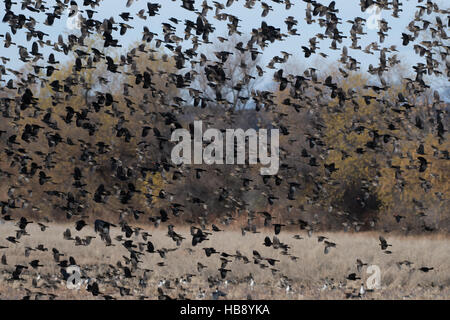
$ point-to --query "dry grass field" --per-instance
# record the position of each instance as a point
(314, 275)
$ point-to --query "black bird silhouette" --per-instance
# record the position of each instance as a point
(277, 227)
(383, 243)
(209, 251)
(102, 227)
(18, 271)
(80, 225)
(267, 242)
(223, 272)
(353, 277)
(426, 269)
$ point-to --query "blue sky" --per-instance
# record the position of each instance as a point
(348, 9)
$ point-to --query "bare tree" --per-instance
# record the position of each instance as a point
(240, 65)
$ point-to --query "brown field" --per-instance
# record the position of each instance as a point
(313, 276)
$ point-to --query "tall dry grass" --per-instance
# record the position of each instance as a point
(314, 275)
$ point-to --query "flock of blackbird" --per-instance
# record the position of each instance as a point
(186, 52)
